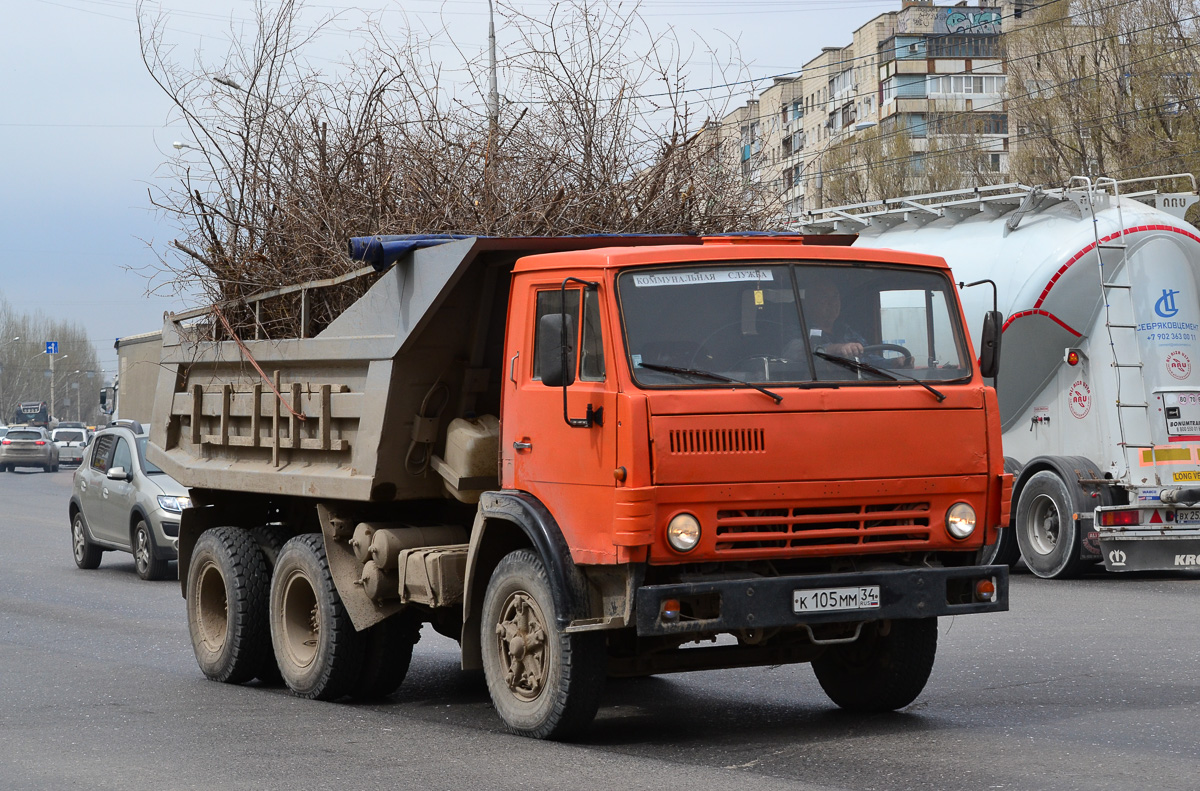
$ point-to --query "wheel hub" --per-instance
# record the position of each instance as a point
(212, 608)
(521, 638)
(1045, 524)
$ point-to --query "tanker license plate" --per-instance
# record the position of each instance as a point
(1187, 516)
(830, 599)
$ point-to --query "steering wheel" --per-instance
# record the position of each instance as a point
(725, 328)
(891, 347)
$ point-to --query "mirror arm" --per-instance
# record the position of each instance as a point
(593, 417)
(992, 283)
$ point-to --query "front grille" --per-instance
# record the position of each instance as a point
(718, 440)
(882, 527)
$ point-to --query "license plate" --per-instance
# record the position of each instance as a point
(1187, 516)
(831, 599)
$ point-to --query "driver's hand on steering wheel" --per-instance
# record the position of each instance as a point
(851, 349)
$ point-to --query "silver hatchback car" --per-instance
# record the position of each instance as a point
(120, 501)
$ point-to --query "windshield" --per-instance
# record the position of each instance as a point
(791, 323)
(146, 465)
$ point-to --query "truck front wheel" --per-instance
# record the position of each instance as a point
(884, 670)
(543, 682)
(227, 588)
(1046, 530)
(318, 652)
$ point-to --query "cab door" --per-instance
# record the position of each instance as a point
(564, 457)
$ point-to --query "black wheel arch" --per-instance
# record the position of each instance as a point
(506, 521)
(1079, 474)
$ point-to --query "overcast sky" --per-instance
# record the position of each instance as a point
(84, 130)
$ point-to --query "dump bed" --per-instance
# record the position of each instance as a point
(332, 416)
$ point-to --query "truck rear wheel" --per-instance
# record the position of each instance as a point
(884, 670)
(227, 587)
(1045, 527)
(387, 652)
(543, 682)
(317, 650)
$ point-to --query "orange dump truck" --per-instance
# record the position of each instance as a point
(589, 457)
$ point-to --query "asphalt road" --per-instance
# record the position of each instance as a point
(1087, 684)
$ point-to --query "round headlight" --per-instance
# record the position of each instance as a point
(960, 520)
(683, 532)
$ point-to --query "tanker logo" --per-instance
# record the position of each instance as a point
(1079, 399)
(1179, 365)
(1165, 306)
(1117, 558)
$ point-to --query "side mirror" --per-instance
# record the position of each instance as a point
(989, 348)
(118, 474)
(556, 362)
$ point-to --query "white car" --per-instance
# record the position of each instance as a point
(71, 443)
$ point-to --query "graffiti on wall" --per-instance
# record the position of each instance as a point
(967, 21)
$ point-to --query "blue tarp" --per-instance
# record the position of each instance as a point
(382, 251)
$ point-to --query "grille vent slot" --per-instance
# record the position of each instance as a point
(883, 526)
(718, 440)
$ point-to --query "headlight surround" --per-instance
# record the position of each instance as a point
(173, 504)
(960, 520)
(683, 532)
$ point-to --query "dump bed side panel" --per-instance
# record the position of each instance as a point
(358, 385)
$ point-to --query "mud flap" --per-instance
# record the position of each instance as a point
(1154, 554)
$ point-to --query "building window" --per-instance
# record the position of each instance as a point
(964, 47)
(965, 85)
(994, 162)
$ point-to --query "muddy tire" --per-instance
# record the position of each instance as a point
(270, 539)
(387, 653)
(1046, 529)
(544, 683)
(227, 589)
(317, 650)
(884, 670)
(87, 554)
(145, 554)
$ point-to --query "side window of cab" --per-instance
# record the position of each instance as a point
(591, 354)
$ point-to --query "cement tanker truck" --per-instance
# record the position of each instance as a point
(1099, 391)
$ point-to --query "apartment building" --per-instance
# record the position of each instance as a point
(932, 73)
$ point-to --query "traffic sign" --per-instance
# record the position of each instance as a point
(51, 347)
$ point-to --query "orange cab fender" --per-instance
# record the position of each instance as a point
(506, 521)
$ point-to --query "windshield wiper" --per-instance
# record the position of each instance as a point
(671, 369)
(858, 365)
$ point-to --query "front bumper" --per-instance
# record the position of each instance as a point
(766, 602)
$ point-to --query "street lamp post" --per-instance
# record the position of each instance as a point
(61, 357)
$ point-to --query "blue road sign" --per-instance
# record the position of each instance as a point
(51, 347)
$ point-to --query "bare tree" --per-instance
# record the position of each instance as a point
(25, 370)
(1109, 89)
(595, 135)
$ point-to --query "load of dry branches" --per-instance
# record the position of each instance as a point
(596, 134)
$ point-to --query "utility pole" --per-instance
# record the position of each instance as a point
(493, 91)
